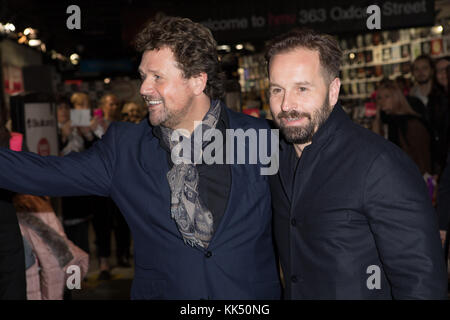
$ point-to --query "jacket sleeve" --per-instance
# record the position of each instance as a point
(443, 200)
(84, 173)
(404, 226)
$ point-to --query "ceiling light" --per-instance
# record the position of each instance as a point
(34, 42)
(224, 47)
(239, 46)
(74, 58)
(10, 27)
(437, 29)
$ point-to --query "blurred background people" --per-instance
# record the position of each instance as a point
(108, 217)
(442, 66)
(431, 93)
(76, 211)
(423, 73)
(107, 112)
(132, 112)
(405, 127)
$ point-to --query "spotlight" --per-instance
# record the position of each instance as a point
(34, 42)
(10, 27)
(74, 58)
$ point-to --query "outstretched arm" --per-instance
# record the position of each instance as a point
(88, 172)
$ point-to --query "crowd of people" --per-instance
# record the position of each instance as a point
(53, 243)
(416, 117)
(79, 212)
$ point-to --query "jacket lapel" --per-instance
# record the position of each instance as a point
(285, 174)
(306, 179)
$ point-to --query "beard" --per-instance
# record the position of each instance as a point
(304, 134)
(166, 117)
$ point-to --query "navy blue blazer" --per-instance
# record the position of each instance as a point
(355, 220)
(129, 165)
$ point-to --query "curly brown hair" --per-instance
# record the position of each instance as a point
(330, 54)
(192, 44)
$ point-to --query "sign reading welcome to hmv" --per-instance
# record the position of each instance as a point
(259, 19)
(238, 20)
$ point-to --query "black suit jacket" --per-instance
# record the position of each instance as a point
(443, 200)
(12, 257)
(353, 219)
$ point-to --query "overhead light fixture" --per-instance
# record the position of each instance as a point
(27, 31)
(22, 40)
(224, 47)
(74, 58)
(107, 80)
(43, 47)
(9, 27)
(239, 46)
(34, 42)
(437, 29)
(352, 56)
(249, 47)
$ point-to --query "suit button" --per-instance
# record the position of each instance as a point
(293, 222)
(294, 279)
(208, 254)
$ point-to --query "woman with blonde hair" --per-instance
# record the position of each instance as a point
(401, 124)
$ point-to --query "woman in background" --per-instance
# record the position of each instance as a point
(405, 127)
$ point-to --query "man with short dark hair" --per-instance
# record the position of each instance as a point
(200, 231)
(423, 72)
(352, 217)
(436, 111)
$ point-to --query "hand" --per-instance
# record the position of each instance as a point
(443, 235)
(84, 130)
(66, 130)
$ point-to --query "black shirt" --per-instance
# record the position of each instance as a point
(214, 179)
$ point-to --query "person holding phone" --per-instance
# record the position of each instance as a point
(107, 112)
(76, 211)
(109, 217)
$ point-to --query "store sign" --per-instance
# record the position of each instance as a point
(343, 16)
(40, 129)
(236, 20)
(12, 79)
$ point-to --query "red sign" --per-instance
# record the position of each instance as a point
(12, 79)
(43, 147)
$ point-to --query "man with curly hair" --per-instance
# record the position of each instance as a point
(201, 231)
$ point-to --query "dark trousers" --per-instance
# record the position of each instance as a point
(107, 217)
(79, 235)
(447, 247)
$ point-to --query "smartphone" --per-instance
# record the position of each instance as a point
(98, 113)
